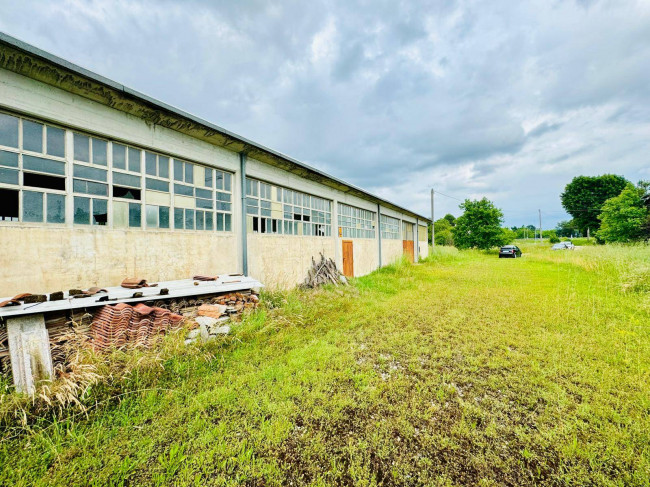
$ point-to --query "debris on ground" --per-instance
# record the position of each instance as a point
(119, 325)
(117, 317)
(323, 272)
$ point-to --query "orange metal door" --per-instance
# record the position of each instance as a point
(348, 258)
(408, 249)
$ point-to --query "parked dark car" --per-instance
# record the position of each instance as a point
(510, 251)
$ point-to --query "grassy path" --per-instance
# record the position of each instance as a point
(467, 370)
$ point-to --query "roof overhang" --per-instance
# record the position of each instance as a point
(34, 63)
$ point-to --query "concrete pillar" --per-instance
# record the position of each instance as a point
(379, 234)
(29, 350)
(338, 251)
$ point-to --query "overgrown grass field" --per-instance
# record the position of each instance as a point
(463, 370)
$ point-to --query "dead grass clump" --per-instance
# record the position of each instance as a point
(83, 377)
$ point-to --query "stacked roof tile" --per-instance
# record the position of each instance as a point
(123, 325)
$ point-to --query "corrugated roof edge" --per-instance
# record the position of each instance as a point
(35, 51)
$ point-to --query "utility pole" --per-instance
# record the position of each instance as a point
(433, 234)
(540, 226)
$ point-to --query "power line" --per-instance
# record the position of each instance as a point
(452, 197)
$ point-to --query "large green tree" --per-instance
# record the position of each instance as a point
(479, 226)
(624, 217)
(583, 198)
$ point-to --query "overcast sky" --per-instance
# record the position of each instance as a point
(503, 99)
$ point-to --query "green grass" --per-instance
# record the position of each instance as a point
(463, 370)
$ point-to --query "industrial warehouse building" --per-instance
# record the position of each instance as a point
(99, 182)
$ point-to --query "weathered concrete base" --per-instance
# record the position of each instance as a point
(29, 349)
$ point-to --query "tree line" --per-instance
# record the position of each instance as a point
(608, 207)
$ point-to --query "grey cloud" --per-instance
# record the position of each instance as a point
(396, 97)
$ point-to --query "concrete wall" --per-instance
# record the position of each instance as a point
(50, 259)
(423, 243)
(391, 250)
(283, 261)
(366, 255)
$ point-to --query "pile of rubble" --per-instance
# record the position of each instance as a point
(211, 320)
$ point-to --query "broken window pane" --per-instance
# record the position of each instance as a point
(128, 193)
(32, 206)
(81, 148)
(32, 136)
(81, 210)
(209, 176)
(100, 212)
(8, 130)
(43, 181)
(8, 204)
(100, 152)
(55, 208)
(219, 222)
(209, 220)
(119, 156)
(200, 220)
(135, 215)
(55, 141)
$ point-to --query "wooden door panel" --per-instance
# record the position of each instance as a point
(407, 245)
(348, 258)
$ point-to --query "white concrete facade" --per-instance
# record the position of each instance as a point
(48, 257)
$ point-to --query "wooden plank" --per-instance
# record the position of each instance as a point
(348, 258)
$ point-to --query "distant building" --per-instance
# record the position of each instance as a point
(99, 182)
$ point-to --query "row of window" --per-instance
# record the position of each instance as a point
(115, 184)
(106, 177)
(390, 228)
(355, 222)
(273, 209)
